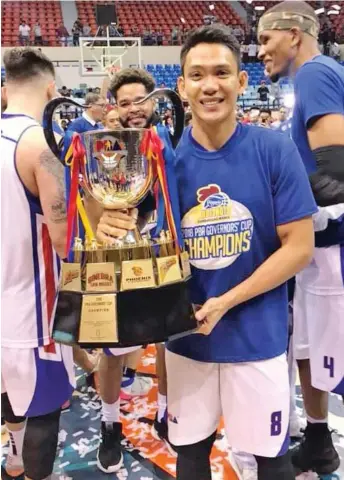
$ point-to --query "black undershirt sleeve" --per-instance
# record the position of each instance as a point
(328, 181)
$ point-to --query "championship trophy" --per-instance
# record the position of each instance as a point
(134, 290)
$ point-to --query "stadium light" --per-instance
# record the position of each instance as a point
(289, 100)
(318, 11)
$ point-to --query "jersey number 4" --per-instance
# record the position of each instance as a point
(329, 364)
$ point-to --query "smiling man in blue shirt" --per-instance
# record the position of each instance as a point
(288, 35)
(246, 208)
(245, 205)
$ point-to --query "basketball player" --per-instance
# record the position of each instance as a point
(90, 120)
(288, 35)
(128, 86)
(37, 374)
(246, 216)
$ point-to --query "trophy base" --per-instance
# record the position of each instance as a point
(147, 315)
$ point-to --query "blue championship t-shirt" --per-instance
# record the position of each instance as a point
(231, 201)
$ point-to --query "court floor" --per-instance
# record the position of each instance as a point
(145, 458)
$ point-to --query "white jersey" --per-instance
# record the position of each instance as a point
(325, 274)
(29, 265)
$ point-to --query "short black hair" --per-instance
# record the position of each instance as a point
(215, 33)
(131, 75)
(266, 110)
(25, 63)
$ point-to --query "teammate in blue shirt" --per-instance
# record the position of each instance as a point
(246, 215)
(127, 87)
(288, 35)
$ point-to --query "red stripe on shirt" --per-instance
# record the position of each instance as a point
(48, 255)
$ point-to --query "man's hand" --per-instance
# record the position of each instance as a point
(210, 314)
(115, 224)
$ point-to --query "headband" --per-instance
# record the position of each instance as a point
(288, 20)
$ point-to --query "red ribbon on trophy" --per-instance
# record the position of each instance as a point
(152, 146)
(76, 167)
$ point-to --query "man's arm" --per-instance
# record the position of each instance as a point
(43, 175)
(326, 139)
(295, 253)
(321, 102)
(110, 224)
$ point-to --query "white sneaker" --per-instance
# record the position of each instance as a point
(244, 465)
(139, 388)
(296, 424)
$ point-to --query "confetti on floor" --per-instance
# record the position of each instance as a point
(144, 457)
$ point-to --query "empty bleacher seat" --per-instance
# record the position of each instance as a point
(48, 14)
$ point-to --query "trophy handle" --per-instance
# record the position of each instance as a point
(48, 115)
(178, 110)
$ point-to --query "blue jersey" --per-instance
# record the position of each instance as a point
(323, 95)
(319, 91)
(231, 201)
(82, 125)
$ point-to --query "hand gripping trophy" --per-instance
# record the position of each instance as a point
(134, 291)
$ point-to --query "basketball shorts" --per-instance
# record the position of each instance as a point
(319, 337)
(39, 380)
(117, 352)
(253, 399)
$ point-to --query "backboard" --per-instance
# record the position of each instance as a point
(100, 56)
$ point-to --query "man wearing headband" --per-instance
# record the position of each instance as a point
(288, 36)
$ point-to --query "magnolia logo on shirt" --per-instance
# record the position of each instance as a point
(218, 230)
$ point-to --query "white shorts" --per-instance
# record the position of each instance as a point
(37, 381)
(319, 337)
(252, 397)
(117, 352)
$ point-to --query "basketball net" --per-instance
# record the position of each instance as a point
(112, 70)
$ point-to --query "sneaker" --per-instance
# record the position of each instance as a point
(138, 388)
(244, 465)
(159, 431)
(297, 425)
(316, 452)
(109, 456)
